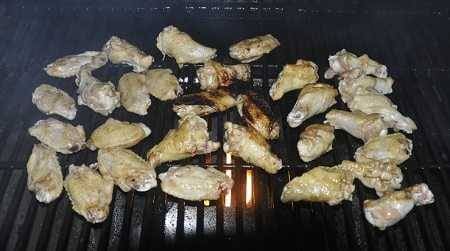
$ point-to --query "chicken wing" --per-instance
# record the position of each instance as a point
(358, 124)
(314, 141)
(189, 139)
(214, 74)
(257, 113)
(51, 100)
(89, 192)
(44, 174)
(249, 145)
(381, 176)
(376, 103)
(127, 169)
(179, 45)
(313, 99)
(392, 207)
(115, 133)
(294, 77)
(251, 49)
(348, 88)
(393, 147)
(62, 137)
(70, 65)
(204, 103)
(120, 51)
(321, 184)
(348, 65)
(99, 96)
(195, 183)
(162, 84)
(134, 95)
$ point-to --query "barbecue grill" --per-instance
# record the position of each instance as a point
(410, 37)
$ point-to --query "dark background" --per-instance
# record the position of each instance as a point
(411, 37)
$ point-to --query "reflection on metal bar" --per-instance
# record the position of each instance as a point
(249, 188)
(228, 195)
(228, 158)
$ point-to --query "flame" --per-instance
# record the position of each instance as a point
(206, 203)
(228, 158)
(249, 187)
(228, 194)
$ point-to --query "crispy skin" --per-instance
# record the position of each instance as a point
(214, 74)
(70, 65)
(348, 88)
(51, 100)
(195, 183)
(115, 133)
(251, 49)
(162, 84)
(134, 95)
(314, 141)
(204, 103)
(120, 51)
(249, 145)
(44, 174)
(393, 147)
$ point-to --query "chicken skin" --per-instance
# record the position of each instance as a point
(134, 95)
(89, 192)
(45, 178)
(348, 88)
(314, 141)
(204, 103)
(258, 114)
(252, 49)
(393, 147)
(189, 139)
(394, 206)
(249, 145)
(162, 84)
(70, 65)
(294, 77)
(214, 74)
(195, 183)
(61, 137)
(51, 100)
(312, 100)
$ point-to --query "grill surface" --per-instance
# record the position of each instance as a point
(410, 37)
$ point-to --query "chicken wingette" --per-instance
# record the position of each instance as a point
(214, 74)
(51, 100)
(252, 49)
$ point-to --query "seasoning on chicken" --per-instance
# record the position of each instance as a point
(348, 88)
(314, 141)
(252, 49)
(249, 145)
(62, 137)
(358, 124)
(321, 184)
(214, 74)
(393, 147)
(120, 51)
(294, 77)
(89, 192)
(204, 103)
(162, 84)
(394, 206)
(134, 95)
(312, 100)
(44, 174)
(189, 139)
(195, 183)
(51, 100)
(115, 133)
(179, 45)
(127, 169)
(70, 65)
(258, 114)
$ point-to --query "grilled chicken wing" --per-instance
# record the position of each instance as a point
(348, 65)
(189, 139)
(44, 174)
(348, 88)
(89, 192)
(381, 176)
(213, 74)
(62, 137)
(358, 124)
(127, 169)
(393, 147)
(314, 141)
(162, 84)
(195, 183)
(294, 77)
(249, 145)
(251, 49)
(134, 95)
(376, 103)
(313, 99)
(204, 103)
(258, 114)
(51, 100)
(179, 45)
(99, 96)
(321, 184)
(392, 207)
(120, 51)
(115, 133)
(70, 65)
